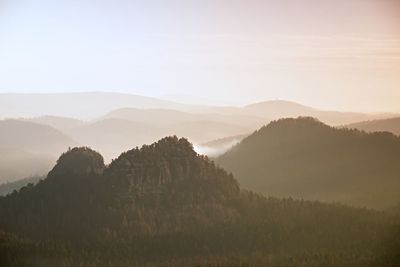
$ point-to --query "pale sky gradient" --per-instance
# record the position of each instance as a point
(330, 54)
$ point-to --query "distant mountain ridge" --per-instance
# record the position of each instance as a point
(280, 108)
(384, 125)
(286, 109)
(92, 105)
(169, 116)
(29, 136)
(305, 158)
(112, 122)
(60, 123)
(83, 105)
(29, 148)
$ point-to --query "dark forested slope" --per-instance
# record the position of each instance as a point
(158, 188)
(305, 158)
(164, 205)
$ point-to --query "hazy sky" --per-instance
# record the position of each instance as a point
(332, 54)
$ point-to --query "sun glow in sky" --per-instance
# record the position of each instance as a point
(342, 54)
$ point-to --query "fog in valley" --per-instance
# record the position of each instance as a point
(200, 133)
(117, 125)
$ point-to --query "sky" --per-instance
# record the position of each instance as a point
(329, 54)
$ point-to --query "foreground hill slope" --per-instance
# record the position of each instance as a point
(391, 125)
(158, 180)
(164, 205)
(305, 158)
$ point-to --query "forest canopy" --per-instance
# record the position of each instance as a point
(165, 205)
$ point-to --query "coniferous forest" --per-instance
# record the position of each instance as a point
(165, 205)
(305, 158)
(200, 133)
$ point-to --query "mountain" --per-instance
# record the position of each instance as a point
(278, 108)
(173, 117)
(285, 109)
(385, 125)
(166, 185)
(31, 148)
(94, 105)
(165, 205)
(17, 134)
(305, 158)
(153, 116)
(85, 105)
(222, 122)
(60, 123)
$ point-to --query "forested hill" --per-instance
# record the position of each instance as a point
(164, 205)
(151, 183)
(305, 158)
